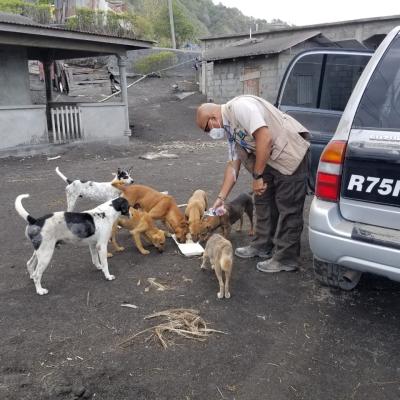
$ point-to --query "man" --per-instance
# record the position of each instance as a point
(271, 146)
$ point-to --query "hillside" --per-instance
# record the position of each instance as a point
(193, 19)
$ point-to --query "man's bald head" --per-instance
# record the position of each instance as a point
(207, 112)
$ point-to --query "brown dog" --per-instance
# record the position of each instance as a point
(220, 254)
(211, 222)
(195, 208)
(139, 222)
(158, 205)
(242, 204)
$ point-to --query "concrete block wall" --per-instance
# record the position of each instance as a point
(225, 83)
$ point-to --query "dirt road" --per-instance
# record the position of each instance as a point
(286, 336)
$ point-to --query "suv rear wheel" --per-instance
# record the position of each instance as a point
(335, 275)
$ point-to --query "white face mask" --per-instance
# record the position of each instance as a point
(217, 133)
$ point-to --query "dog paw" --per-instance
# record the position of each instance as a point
(120, 248)
(110, 277)
(251, 233)
(145, 252)
(109, 255)
(42, 291)
(220, 295)
(238, 230)
(227, 295)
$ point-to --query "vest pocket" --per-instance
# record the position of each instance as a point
(278, 147)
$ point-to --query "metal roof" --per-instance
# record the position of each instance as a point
(258, 46)
(43, 41)
(278, 29)
(15, 19)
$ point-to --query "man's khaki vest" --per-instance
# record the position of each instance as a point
(288, 146)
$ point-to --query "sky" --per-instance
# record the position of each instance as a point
(308, 12)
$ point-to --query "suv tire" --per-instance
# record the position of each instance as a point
(335, 275)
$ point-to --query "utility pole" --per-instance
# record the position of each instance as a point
(171, 22)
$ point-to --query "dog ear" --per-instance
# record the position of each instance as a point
(124, 206)
(120, 204)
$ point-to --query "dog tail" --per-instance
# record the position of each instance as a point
(21, 210)
(226, 260)
(62, 176)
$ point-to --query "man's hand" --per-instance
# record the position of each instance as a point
(218, 203)
(259, 186)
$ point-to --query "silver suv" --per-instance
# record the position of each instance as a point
(354, 224)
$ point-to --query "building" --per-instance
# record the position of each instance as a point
(23, 123)
(255, 63)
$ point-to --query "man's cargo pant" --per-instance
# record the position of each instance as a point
(279, 212)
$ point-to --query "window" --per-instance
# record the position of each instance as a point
(380, 104)
(323, 81)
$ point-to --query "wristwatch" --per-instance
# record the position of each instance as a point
(257, 176)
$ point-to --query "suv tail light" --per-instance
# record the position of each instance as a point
(330, 171)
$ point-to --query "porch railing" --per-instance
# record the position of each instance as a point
(66, 124)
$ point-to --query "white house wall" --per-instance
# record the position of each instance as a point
(22, 126)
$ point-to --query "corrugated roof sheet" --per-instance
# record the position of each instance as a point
(304, 27)
(15, 19)
(257, 46)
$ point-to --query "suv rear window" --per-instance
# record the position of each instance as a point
(323, 81)
(379, 108)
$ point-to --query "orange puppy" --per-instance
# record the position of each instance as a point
(139, 222)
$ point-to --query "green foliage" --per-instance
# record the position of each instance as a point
(39, 12)
(184, 29)
(155, 62)
(196, 18)
(121, 24)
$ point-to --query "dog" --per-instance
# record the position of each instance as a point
(91, 227)
(241, 204)
(139, 222)
(220, 254)
(194, 212)
(159, 206)
(97, 191)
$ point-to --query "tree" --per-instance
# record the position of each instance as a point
(184, 28)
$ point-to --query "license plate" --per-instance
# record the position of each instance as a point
(374, 182)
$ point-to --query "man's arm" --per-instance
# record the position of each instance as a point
(263, 141)
(231, 174)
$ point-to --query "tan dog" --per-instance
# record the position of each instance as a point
(139, 222)
(195, 208)
(158, 205)
(220, 254)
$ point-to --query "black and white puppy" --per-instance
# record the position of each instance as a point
(97, 191)
(91, 227)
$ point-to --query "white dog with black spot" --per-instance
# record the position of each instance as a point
(92, 228)
(97, 191)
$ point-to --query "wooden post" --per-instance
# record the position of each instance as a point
(49, 90)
